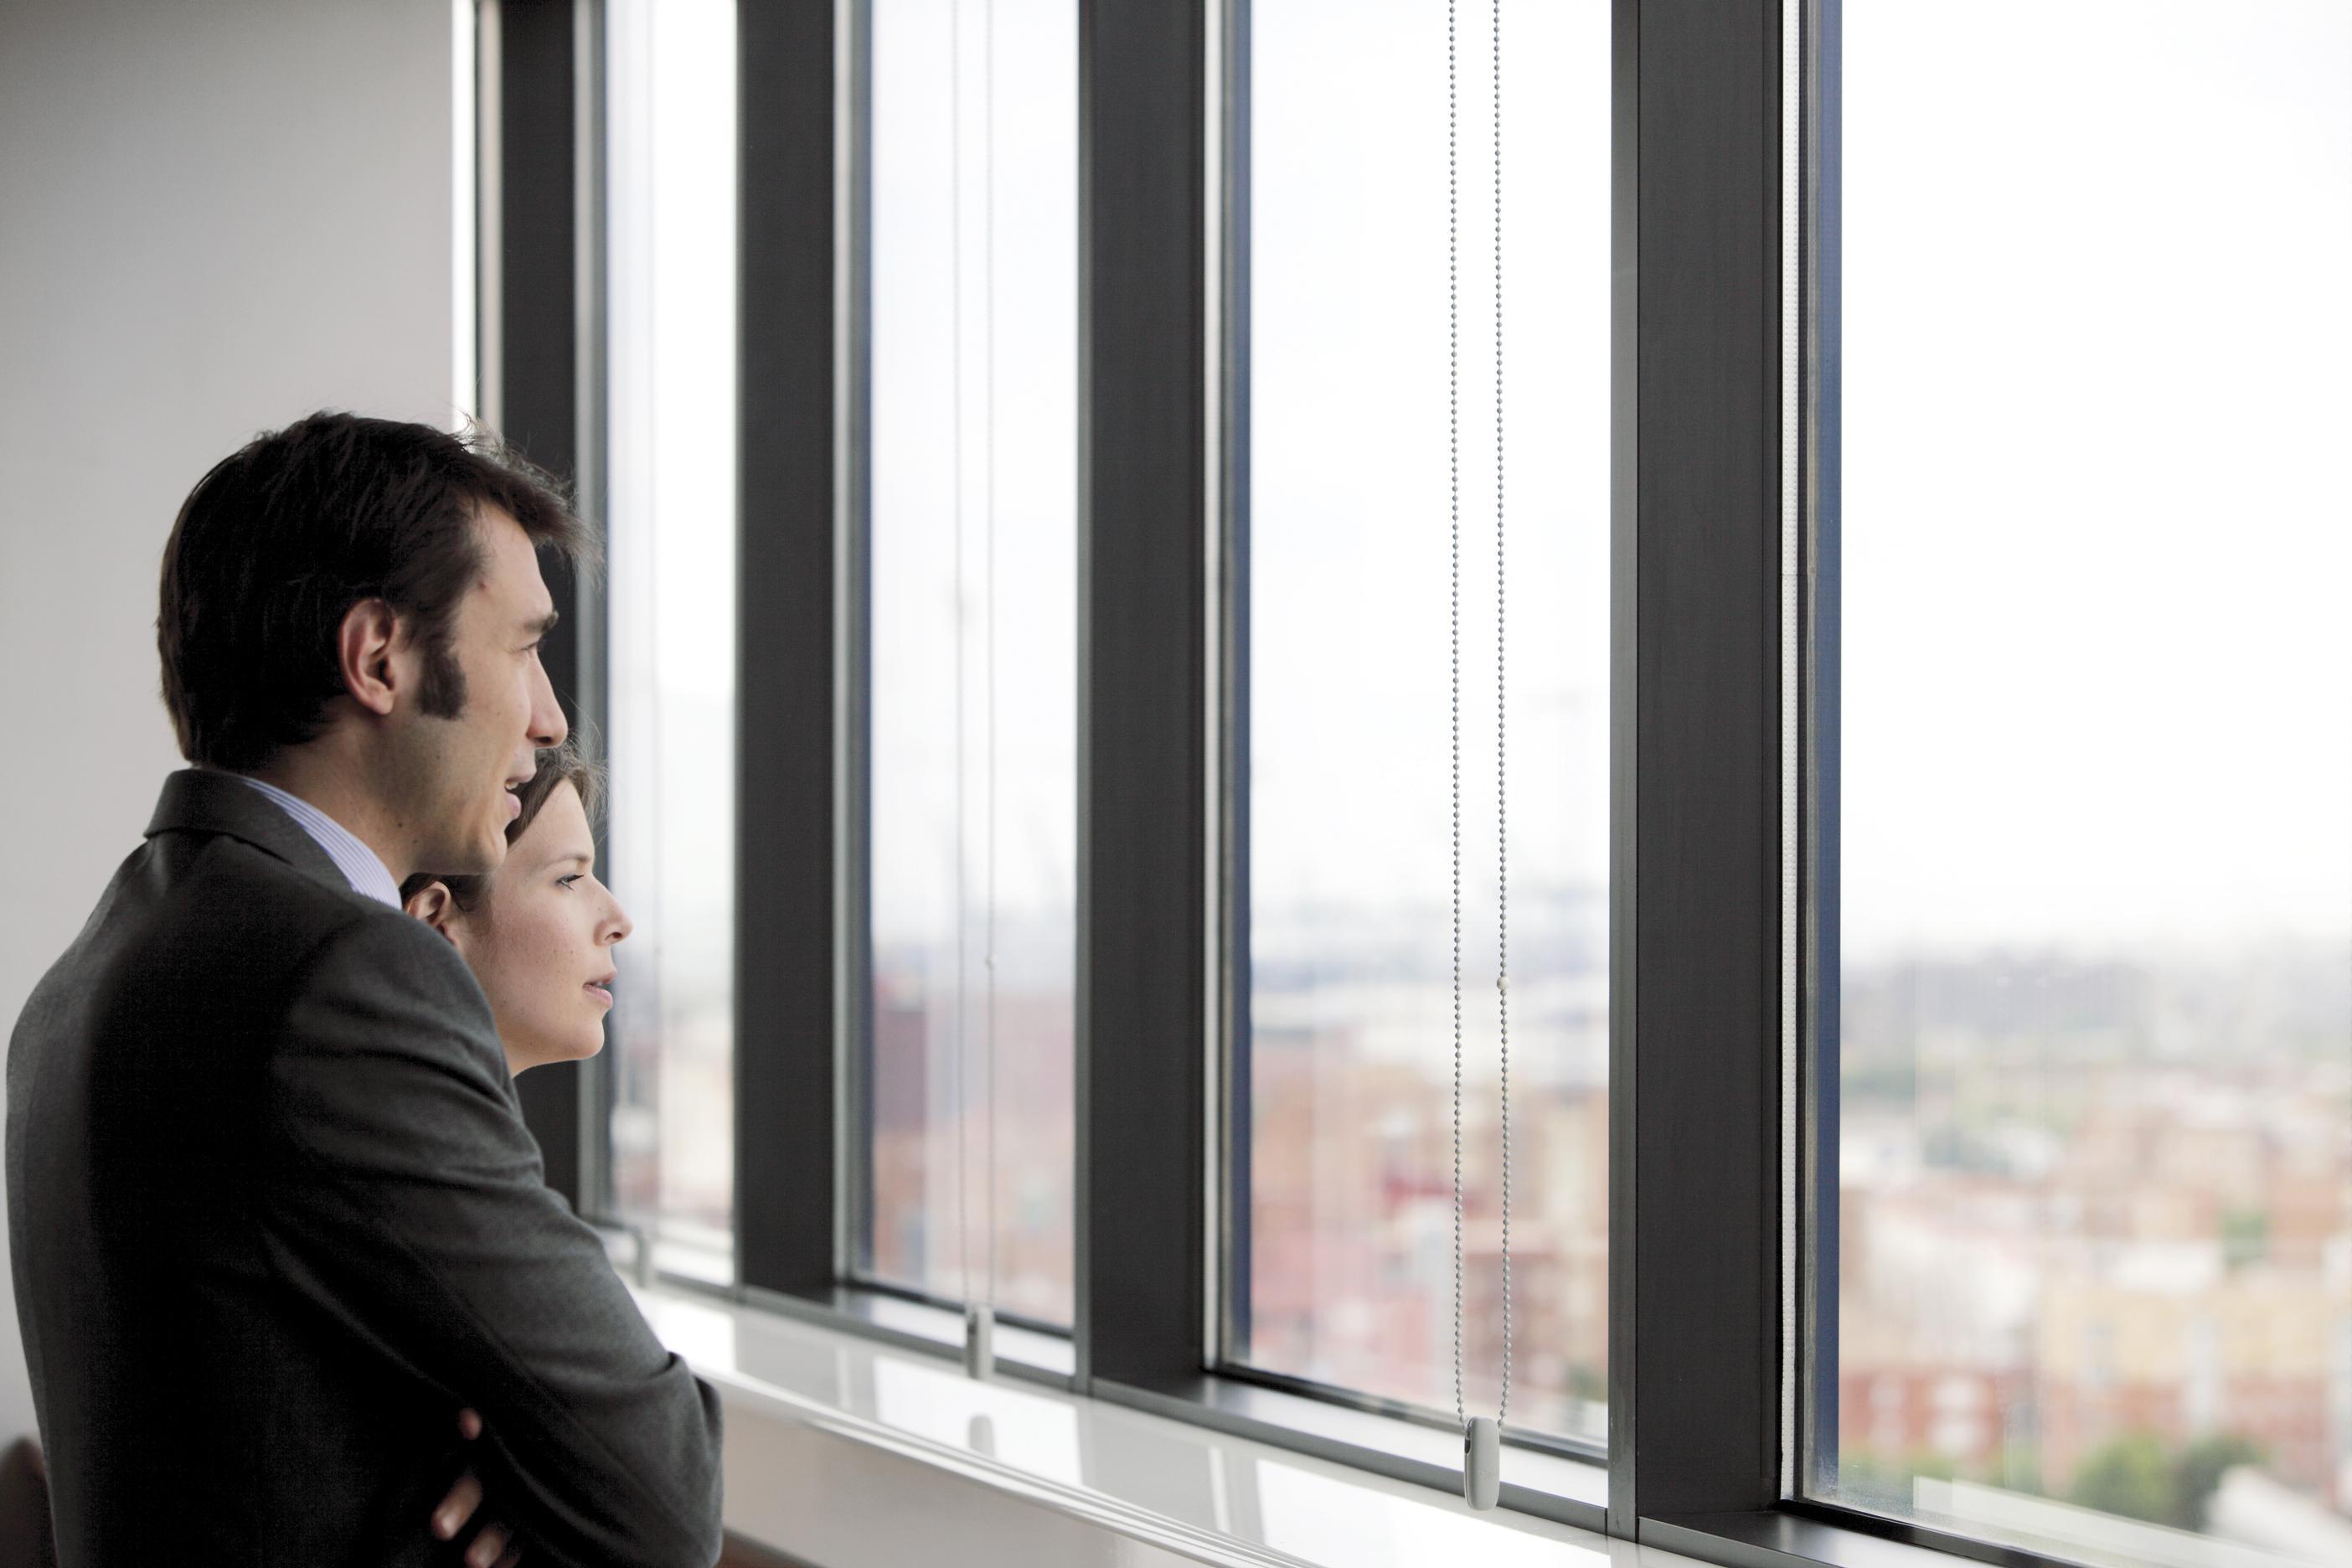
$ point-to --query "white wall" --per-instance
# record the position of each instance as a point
(213, 218)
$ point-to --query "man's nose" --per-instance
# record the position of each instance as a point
(547, 725)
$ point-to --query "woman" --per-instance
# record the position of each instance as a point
(539, 932)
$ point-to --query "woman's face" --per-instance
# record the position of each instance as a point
(540, 940)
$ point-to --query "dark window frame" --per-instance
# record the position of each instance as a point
(539, 86)
(1695, 1374)
(787, 993)
(1694, 1460)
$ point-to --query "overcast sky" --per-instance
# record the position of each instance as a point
(2098, 481)
(2098, 521)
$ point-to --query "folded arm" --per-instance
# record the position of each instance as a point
(411, 1199)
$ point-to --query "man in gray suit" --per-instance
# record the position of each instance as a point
(274, 1216)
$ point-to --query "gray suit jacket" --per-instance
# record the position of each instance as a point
(274, 1217)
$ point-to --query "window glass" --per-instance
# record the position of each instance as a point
(670, 587)
(1343, 1274)
(2093, 1289)
(973, 607)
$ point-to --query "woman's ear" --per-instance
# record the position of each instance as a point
(432, 904)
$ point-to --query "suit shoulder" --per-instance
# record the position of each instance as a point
(202, 932)
(324, 926)
(379, 948)
(304, 941)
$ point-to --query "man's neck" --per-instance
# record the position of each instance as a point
(315, 774)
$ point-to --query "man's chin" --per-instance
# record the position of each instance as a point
(474, 857)
(490, 848)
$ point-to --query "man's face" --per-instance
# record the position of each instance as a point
(462, 768)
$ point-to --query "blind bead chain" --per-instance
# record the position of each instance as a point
(1482, 1438)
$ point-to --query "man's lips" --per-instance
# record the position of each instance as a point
(514, 784)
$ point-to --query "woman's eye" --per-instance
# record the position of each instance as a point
(567, 881)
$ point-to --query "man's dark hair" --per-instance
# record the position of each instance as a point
(274, 546)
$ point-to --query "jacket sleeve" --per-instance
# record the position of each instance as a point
(409, 1201)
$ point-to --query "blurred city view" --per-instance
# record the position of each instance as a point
(2095, 1243)
(1350, 1202)
(914, 1112)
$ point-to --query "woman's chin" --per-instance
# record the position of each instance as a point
(522, 1061)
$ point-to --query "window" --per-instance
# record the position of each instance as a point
(973, 629)
(2086, 784)
(670, 190)
(2079, 1175)
(1341, 1269)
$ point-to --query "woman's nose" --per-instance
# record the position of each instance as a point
(619, 926)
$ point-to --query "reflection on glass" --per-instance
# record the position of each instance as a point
(670, 117)
(1036, 1432)
(948, 298)
(1348, 1200)
(1324, 1518)
(2094, 1280)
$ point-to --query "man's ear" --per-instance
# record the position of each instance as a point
(364, 645)
(432, 904)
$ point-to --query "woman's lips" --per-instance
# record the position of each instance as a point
(597, 990)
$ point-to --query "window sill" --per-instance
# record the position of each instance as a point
(1547, 1486)
(650, 1262)
(1786, 1539)
(1817, 1535)
(1173, 1473)
(1211, 1469)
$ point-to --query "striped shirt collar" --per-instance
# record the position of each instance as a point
(360, 865)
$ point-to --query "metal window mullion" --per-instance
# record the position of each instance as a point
(1790, 432)
(589, 613)
(1230, 1087)
(1142, 1120)
(1696, 939)
(1818, 1328)
(789, 996)
(853, 663)
(536, 310)
(1624, 734)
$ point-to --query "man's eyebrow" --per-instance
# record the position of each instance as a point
(545, 624)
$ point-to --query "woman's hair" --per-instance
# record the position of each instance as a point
(557, 765)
